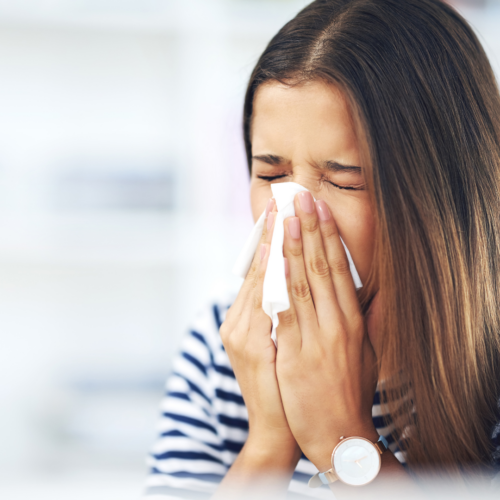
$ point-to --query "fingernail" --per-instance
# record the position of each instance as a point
(294, 227)
(263, 249)
(270, 221)
(323, 212)
(287, 268)
(306, 202)
(269, 206)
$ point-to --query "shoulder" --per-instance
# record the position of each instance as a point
(202, 427)
(203, 332)
(201, 352)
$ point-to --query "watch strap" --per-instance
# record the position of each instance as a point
(330, 476)
(321, 478)
(381, 445)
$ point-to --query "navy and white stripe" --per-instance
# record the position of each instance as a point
(204, 421)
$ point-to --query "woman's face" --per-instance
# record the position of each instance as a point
(305, 134)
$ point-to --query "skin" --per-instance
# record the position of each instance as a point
(319, 385)
(308, 126)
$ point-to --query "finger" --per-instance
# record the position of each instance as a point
(338, 262)
(315, 260)
(271, 219)
(257, 314)
(257, 257)
(299, 287)
(288, 331)
(249, 283)
(265, 240)
(260, 322)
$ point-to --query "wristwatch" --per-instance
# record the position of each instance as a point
(355, 461)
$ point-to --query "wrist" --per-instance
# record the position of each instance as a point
(271, 452)
(263, 468)
(321, 456)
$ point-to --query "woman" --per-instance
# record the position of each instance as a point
(388, 112)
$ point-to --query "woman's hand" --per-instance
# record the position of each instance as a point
(246, 335)
(326, 365)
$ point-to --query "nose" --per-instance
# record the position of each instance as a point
(306, 179)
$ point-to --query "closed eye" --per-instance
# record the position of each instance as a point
(271, 177)
(350, 187)
(353, 188)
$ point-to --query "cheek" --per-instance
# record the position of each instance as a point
(259, 196)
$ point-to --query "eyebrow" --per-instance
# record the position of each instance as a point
(271, 159)
(334, 166)
(339, 167)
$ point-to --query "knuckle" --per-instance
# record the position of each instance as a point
(225, 332)
(311, 225)
(286, 372)
(233, 344)
(300, 291)
(296, 251)
(329, 231)
(254, 286)
(340, 337)
(251, 272)
(257, 299)
(254, 282)
(264, 232)
(340, 266)
(358, 323)
(319, 266)
(227, 342)
(287, 319)
(262, 272)
(229, 316)
(338, 343)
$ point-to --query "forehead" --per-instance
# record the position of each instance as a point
(307, 119)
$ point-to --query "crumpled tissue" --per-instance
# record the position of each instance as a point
(275, 293)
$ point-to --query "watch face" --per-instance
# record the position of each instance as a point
(356, 461)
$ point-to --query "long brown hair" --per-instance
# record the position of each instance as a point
(427, 108)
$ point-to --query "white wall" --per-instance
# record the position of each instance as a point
(101, 102)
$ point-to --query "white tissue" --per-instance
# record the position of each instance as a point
(275, 293)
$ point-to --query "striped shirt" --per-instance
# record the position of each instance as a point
(204, 421)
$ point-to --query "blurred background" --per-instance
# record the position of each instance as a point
(123, 205)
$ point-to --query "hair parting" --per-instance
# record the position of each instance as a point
(426, 108)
